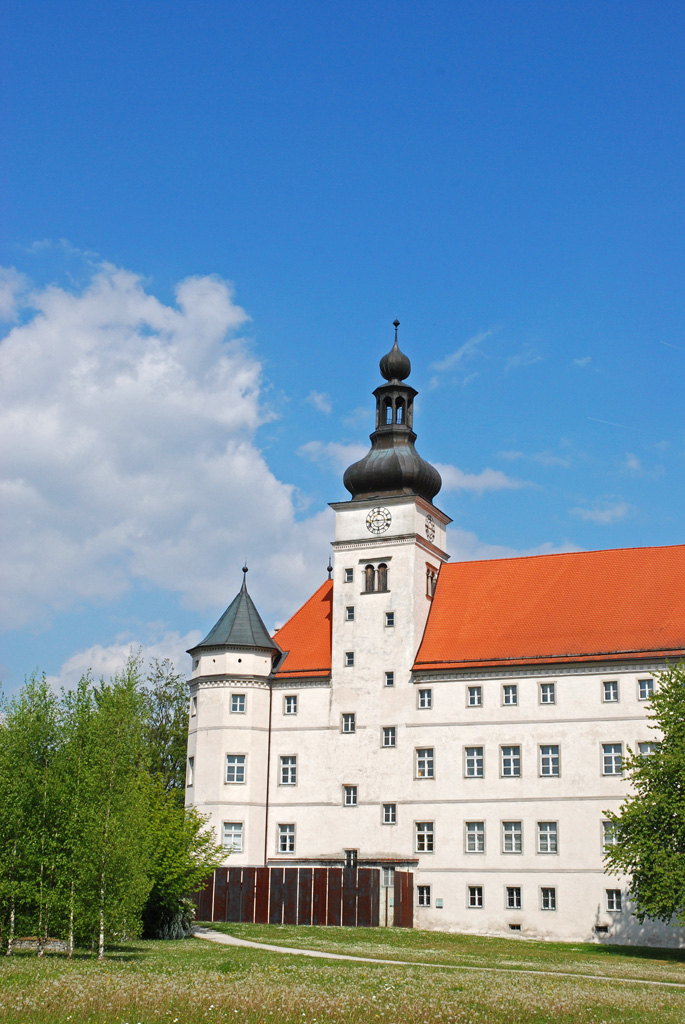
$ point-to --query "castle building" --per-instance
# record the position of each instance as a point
(466, 722)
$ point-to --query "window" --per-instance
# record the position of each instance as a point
(473, 758)
(286, 839)
(609, 837)
(351, 858)
(425, 699)
(389, 678)
(348, 722)
(475, 836)
(645, 688)
(424, 895)
(612, 758)
(388, 878)
(369, 579)
(424, 836)
(548, 898)
(349, 659)
(389, 814)
(389, 619)
(349, 575)
(382, 576)
(549, 760)
(233, 836)
(350, 796)
(424, 763)
(290, 706)
(191, 771)
(547, 837)
(475, 893)
(238, 703)
(610, 691)
(512, 837)
(474, 696)
(389, 736)
(511, 761)
(547, 693)
(513, 899)
(646, 748)
(193, 707)
(349, 613)
(235, 767)
(510, 694)
(614, 901)
(288, 771)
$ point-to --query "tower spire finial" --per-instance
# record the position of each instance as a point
(396, 324)
(330, 568)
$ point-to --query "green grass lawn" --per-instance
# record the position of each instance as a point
(197, 982)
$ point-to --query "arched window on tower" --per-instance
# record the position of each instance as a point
(388, 411)
(399, 411)
(382, 576)
(369, 579)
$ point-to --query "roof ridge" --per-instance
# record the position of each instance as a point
(561, 554)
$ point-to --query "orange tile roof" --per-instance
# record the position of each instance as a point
(584, 606)
(306, 637)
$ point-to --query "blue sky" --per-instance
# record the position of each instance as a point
(212, 212)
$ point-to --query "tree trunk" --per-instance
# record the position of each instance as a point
(10, 936)
(71, 920)
(101, 938)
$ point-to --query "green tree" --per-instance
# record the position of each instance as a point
(649, 829)
(166, 726)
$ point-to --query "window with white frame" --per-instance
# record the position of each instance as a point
(389, 814)
(612, 758)
(512, 837)
(510, 693)
(389, 619)
(474, 696)
(614, 901)
(548, 898)
(238, 703)
(610, 691)
(349, 575)
(475, 896)
(646, 748)
(388, 878)
(350, 796)
(349, 613)
(547, 693)
(425, 763)
(645, 688)
(389, 736)
(425, 699)
(289, 770)
(549, 759)
(475, 836)
(548, 837)
(609, 837)
(349, 659)
(511, 762)
(286, 838)
(351, 858)
(233, 836)
(190, 773)
(349, 723)
(473, 762)
(389, 678)
(425, 834)
(235, 767)
(290, 705)
(423, 895)
(513, 897)
(193, 707)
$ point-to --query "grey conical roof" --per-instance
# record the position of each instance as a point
(240, 625)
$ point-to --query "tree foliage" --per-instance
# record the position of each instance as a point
(95, 843)
(649, 830)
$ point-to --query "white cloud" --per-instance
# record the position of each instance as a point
(455, 360)
(455, 479)
(129, 454)
(632, 463)
(467, 547)
(333, 454)
(544, 458)
(526, 357)
(12, 285)
(585, 361)
(603, 512)
(320, 401)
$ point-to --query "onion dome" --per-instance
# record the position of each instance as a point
(393, 466)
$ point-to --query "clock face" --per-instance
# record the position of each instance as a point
(430, 528)
(378, 520)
